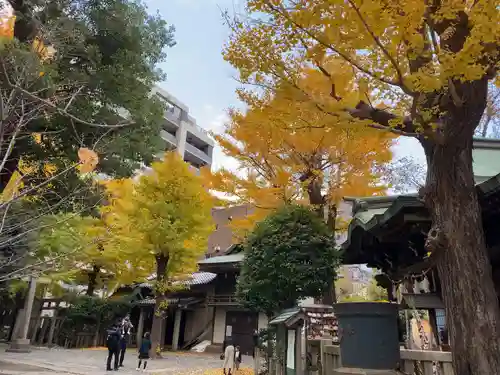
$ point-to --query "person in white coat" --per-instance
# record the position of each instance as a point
(228, 365)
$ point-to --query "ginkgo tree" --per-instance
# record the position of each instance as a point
(286, 156)
(86, 253)
(165, 216)
(429, 63)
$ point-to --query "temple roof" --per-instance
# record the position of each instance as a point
(233, 258)
(486, 158)
(380, 223)
(197, 278)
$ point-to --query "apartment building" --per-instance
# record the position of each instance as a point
(181, 133)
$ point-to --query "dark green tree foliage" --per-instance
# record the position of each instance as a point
(92, 315)
(107, 57)
(290, 255)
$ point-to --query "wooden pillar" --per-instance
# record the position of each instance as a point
(256, 360)
(53, 321)
(43, 330)
(435, 340)
(315, 354)
(140, 327)
(35, 328)
(299, 370)
(177, 329)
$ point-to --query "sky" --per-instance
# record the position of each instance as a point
(198, 76)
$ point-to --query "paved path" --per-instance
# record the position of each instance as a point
(92, 362)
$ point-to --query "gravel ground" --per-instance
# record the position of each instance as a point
(57, 361)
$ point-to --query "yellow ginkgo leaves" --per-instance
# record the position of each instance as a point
(7, 20)
(12, 188)
(88, 160)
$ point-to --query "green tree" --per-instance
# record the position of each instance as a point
(288, 256)
(375, 292)
(91, 314)
(103, 69)
(75, 73)
(166, 218)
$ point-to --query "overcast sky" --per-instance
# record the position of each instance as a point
(198, 76)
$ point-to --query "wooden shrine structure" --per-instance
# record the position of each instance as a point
(389, 233)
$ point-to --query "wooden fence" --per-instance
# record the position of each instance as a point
(413, 362)
(46, 331)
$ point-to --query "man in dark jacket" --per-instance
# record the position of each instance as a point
(113, 344)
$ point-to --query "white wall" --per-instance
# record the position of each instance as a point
(262, 323)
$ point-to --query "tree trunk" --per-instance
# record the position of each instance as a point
(95, 340)
(458, 246)
(159, 313)
(92, 282)
(317, 200)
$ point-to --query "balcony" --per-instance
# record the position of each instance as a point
(222, 300)
(169, 138)
(174, 116)
(197, 156)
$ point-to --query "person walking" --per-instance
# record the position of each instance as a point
(113, 344)
(126, 328)
(144, 350)
(237, 357)
(228, 365)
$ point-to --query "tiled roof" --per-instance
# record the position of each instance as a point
(197, 278)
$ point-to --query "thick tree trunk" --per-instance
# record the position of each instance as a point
(159, 313)
(458, 245)
(92, 282)
(317, 200)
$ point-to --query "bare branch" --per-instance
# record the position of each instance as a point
(54, 107)
(384, 50)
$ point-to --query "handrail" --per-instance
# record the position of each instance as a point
(222, 299)
(424, 362)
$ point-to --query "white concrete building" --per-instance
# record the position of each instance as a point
(180, 132)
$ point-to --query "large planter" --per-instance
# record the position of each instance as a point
(368, 334)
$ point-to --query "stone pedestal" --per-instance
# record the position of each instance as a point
(19, 346)
(363, 371)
